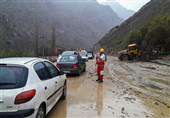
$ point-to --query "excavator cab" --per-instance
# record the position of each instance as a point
(131, 53)
(133, 50)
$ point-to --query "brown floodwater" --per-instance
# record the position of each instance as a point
(88, 99)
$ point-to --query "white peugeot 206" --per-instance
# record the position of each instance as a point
(29, 87)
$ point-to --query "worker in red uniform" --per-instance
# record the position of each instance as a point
(100, 61)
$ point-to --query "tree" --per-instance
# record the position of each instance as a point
(135, 37)
(6, 33)
(53, 40)
(158, 32)
(154, 35)
(36, 41)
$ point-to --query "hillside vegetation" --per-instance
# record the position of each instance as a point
(153, 35)
(149, 28)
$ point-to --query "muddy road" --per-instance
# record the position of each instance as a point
(130, 90)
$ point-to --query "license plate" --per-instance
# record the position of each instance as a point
(1, 104)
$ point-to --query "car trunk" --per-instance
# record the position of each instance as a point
(7, 99)
(66, 66)
(67, 63)
(13, 78)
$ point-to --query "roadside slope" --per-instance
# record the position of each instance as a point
(116, 38)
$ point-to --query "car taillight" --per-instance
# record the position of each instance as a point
(75, 66)
(25, 96)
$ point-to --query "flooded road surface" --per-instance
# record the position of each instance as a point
(148, 81)
(120, 96)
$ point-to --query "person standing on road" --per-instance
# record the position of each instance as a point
(100, 61)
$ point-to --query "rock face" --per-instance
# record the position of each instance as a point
(117, 36)
(78, 24)
(121, 11)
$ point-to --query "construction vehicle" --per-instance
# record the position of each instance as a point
(133, 52)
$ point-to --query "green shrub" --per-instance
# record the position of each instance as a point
(155, 34)
(14, 54)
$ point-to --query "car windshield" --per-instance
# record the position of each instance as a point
(12, 77)
(68, 58)
(132, 48)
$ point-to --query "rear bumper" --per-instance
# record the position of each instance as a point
(74, 72)
(18, 114)
(91, 57)
(71, 71)
(86, 59)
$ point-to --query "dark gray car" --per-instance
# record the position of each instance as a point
(71, 63)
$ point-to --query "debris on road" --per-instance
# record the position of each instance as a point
(148, 81)
(132, 90)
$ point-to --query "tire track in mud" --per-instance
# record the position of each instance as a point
(122, 104)
(125, 94)
(137, 87)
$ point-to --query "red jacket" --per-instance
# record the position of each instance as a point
(100, 64)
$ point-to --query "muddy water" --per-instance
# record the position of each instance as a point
(88, 99)
(150, 83)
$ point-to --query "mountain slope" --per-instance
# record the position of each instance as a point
(116, 38)
(121, 11)
(78, 24)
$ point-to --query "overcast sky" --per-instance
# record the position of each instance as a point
(129, 4)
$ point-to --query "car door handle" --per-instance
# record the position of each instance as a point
(45, 88)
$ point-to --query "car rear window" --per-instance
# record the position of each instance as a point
(12, 77)
(68, 58)
(90, 54)
(69, 53)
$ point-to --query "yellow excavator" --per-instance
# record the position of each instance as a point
(133, 52)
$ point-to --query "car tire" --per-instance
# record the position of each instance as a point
(64, 94)
(78, 73)
(41, 112)
(84, 70)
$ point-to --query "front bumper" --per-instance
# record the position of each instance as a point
(18, 114)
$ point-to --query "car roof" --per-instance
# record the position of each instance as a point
(19, 60)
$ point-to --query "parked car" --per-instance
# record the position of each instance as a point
(29, 87)
(83, 54)
(71, 63)
(90, 55)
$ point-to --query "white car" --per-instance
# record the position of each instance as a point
(29, 87)
(83, 54)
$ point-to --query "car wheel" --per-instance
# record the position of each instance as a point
(84, 70)
(79, 72)
(64, 94)
(41, 112)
